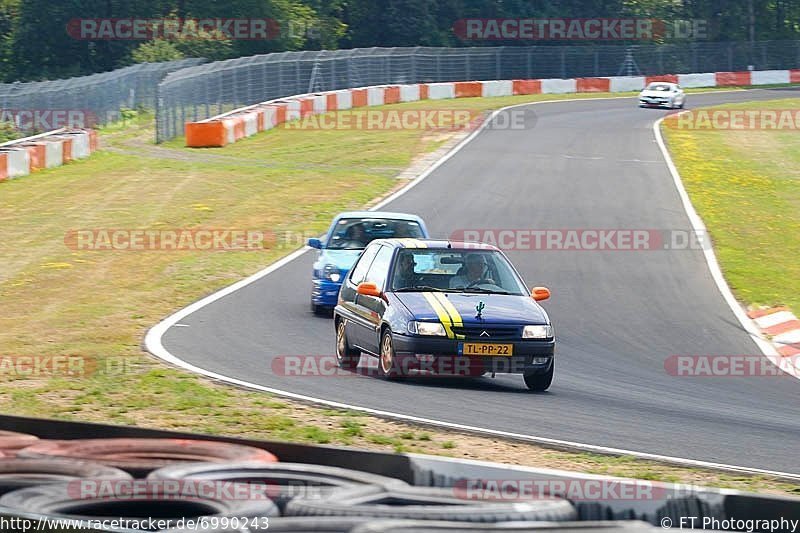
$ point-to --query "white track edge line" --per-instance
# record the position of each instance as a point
(153, 344)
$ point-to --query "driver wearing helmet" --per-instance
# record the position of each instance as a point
(476, 272)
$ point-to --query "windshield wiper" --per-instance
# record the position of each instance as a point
(420, 288)
(482, 291)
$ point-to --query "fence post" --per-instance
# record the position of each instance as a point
(530, 62)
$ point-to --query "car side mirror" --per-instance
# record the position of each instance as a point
(540, 293)
(368, 289)
(315, 243)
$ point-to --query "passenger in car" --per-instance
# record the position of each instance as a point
(476, 270)
(404, 275)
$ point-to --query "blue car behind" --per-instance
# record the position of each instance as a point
(341, 246)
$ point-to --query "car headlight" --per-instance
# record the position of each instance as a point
(537, 332)
(332, 273)
(427, 328)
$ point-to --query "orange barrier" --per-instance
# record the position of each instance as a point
(306, 107)
(594, 85)
(359, 97)
(794, 76)
(527, 87)
(205, 134)
(391, 95)
(668, 78)
(94, 142)
(3, 166)
(238, 128)
(423, 91)
(67, 150)
(37, 154)
(733, 79)
(332, 102)
(468, 89)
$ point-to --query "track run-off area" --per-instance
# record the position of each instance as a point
(619, 315)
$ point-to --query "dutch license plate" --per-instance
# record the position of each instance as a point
(486, 349)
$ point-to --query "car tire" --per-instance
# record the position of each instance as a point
(282, 481)
(318, 310)
(11, 441)
(389, 366)
(17, 474)
(117, 500)
(425, 503)
(140, 456)
(347, 356)
(540, 382)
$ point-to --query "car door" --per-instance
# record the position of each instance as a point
(356, 322)
(374, 307)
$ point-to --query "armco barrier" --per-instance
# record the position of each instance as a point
(230, 127)
(47, 150)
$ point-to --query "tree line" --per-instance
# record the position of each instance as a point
(38, 41)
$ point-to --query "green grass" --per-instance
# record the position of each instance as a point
(98, 305)
(746, 187)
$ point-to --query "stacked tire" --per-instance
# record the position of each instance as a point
(105, 479)
(101, 479)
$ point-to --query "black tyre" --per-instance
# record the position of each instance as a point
(140, 456)
(540, 382)
(419, 526)
(347, 356)
(11, 441)
(21, 473)
(418, 503)
(283, 481)
(136, 499)
(389, 366)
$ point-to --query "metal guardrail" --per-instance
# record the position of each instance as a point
(196, 93)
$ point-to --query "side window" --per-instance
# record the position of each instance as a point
(359, 272)
(379, 270)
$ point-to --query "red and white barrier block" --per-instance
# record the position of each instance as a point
(47, 150)
(228, 128)
(783, 328)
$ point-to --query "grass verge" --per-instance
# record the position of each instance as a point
(745, 185)
(98, 305)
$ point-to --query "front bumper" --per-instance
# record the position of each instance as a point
(441, 356)
(325, 292)
(654, 103)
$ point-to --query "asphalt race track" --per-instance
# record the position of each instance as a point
(618, 315)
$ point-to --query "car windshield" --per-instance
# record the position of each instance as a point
(357, 233)
(662, 87)
(480, 271)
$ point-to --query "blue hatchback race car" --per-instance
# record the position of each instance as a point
(346, 238)
(429, 307)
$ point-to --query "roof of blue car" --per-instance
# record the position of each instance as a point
(438, 244)
(379, 214)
